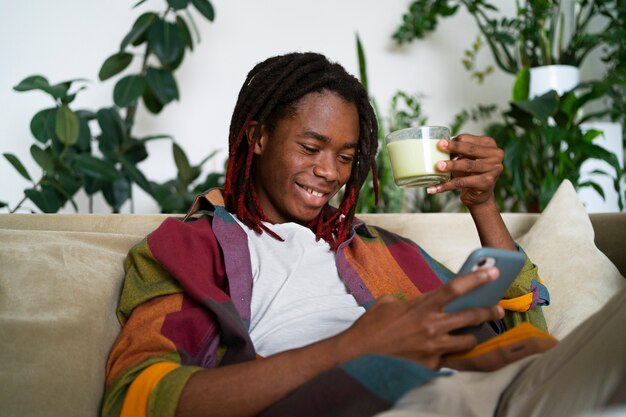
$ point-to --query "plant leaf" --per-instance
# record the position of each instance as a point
(165, 40)
(116, 193)
(541, 107)
(136, 176)
(162, 84)
(134, 150)
(205, 7)
(150, 101)
(84, 131)
(115, 64)
(42, 125)
(155, 137)
(184, 31)
(34, 82)
(138, 31)
(66, 125)
(182, 164)
(128, 90)
(43, 158)
(178, 4)
(113, 132)
(46, 199)
(17, 165)
(362, 62)
(97, 168)
(521, 87)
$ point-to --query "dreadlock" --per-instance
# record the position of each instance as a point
(271, 92)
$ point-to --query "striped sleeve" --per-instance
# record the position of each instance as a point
(177, 318)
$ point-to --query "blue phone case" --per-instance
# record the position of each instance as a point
(509, 263)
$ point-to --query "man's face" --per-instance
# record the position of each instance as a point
(307, 158)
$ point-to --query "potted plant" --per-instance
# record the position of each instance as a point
(545, 143)
(73, 157)
(535, 41)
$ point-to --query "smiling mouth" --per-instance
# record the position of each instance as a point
(313, 192)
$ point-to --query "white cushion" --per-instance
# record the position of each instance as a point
(579, 277)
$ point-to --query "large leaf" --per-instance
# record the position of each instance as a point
(168, 197)
(66, 125)
(44, 159)
(93, 185)
(39, 82)
(46, 199)
(128, 90)
(115, 64)
(42, 125)
(134, 150)
(522, 85)
(65, 188)
(541, 107)
(548, 187)
(116, 193)
(162, 84)
(178, 4)
(113, 132)
(13, 160)
(34, 82)
(182, 163)
(165, 40)
(97, 168)
(138, 33)
(151, 102)
(136, 176)
(205, 7)
(84, 131)
(185, 34)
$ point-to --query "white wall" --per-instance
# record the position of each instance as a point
(68, 39)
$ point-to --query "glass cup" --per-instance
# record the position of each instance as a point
(413, 153)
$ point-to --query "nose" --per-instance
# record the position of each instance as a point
(326, 167)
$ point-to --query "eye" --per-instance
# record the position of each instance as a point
(309, 149)
(346, 159)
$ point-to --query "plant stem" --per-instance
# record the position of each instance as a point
(25, 197)
(511, 65)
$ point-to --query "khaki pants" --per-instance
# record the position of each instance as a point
(586, 371)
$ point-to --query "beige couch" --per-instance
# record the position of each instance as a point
(61, 276)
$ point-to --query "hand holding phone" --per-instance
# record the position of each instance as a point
(509, 263)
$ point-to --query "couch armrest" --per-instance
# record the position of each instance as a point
(610, 237)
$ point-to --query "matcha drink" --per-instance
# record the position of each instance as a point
(413, 153)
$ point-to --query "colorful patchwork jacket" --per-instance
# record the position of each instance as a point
(185, 306)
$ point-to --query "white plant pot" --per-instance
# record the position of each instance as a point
(611, 140)
(561, 78)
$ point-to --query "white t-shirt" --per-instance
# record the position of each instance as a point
(297, 295)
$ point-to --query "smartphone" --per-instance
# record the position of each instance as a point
(509, 263)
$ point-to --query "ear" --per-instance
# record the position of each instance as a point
(261, 141)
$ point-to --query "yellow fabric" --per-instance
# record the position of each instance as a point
(136, 401)
(520, 332)
(520, 304)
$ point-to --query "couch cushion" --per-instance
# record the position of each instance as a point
(58, 294)
(578, 275)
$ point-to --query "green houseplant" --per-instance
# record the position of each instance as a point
(542, 135)
(545, 144)
(535, 36)
(97, 151)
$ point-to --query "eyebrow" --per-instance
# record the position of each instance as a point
(308, 133)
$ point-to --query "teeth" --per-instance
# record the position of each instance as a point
(315, 193)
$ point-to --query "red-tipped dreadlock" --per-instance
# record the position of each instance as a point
(271, 92)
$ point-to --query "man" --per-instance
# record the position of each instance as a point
(276, 302)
